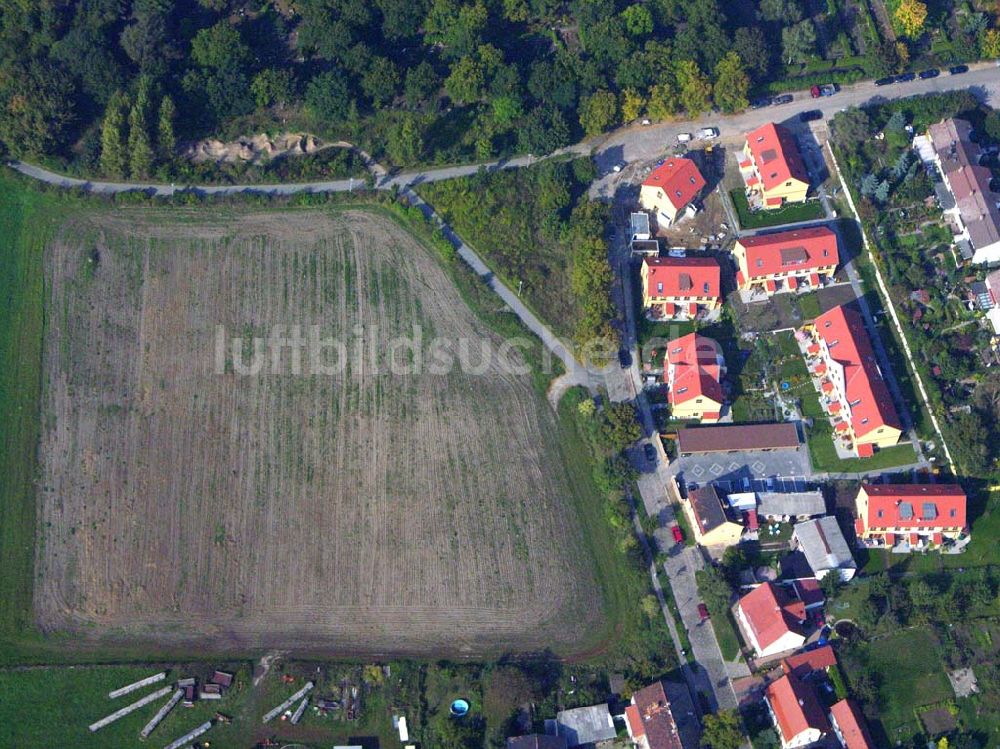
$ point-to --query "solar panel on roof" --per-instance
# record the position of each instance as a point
(928, 510)
(905, 510)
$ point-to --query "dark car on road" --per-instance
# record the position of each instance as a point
(905, 77)
(885, 81)
(650, 452)
(811, 114)
(760, 103)
(702, 611)
(932, 73)
(624, 358)
(783, 99)
(958, 69)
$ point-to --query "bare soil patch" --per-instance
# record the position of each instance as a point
(363, 512)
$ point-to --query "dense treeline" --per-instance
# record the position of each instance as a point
(113, 85)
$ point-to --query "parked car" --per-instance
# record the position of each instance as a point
(958, 69)
(624, 358)
(678, 534)
(760, 103)
(684, 137)
(783, 99)
(647, 121)
(708, 133)
(650, 452)
(702, 611)
(905, 77)
(810, 115)
(885, 81)
(826, 89)
(769, 483)
(618, 167)
(926, 74)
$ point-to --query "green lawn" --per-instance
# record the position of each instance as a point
(910, 673)
(726, 634)
(789, 214)
(824, 454)
(25, 217)
(809, 306)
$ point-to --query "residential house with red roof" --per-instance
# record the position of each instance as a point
(771, 620)
(693, 368)
(917, 516)
(974, 212)
(680, 288)
(796, 712)
(650, 720)
(849, 725)
(864, 416)
(772, 168)
(797, 260)
(804, 665)
(670, 188)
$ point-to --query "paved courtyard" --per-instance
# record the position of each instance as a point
(746, 470)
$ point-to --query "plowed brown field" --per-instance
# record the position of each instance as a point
(361, 513)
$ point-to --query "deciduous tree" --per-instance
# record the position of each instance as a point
(731, 84)
(598, 112)
(910, 17)
(799, 41)
(695, 88)
(632, 104)
(722, 731)
(638, 20)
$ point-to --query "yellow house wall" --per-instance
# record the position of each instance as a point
(792, 191)
(653, 198)
(885, 436)
(726, 534)
(694, 408)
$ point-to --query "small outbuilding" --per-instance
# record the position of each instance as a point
(585, 725)
(825, 548)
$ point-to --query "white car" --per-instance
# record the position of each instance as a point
(684, 137)
(708, 133)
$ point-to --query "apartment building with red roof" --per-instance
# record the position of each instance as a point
(795, 260)
(772, 168)
(864, 414)
(670, 188)
(771, 620)
(650, 720)
(796, 712)
(693, 368)
(913, 516)
(850, 726)
(680, 288)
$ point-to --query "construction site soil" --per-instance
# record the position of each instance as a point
(362, 512)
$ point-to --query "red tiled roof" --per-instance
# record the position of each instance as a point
(835, 407)
(814, 279)
(706, 439)
(853, 728)
(776, 155)
(752, 522)
(865, 450)
(915, 506)
(890, 539)
(657, 719)
(867, 395)
(683, 276)
(795, 706)
(804, 664)
(679, 179)
(771, 285)
(771, 613)
(793, 283)
(790, 251)
(938, 538)
(696, 371)
(774, 201)
(809, 592)
(636, 729)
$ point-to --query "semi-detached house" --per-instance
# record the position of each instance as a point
(786, 261)
(772, 168)
(796, 712)
(680, 288)
(910, 516)
(693, 369)
(771, 620)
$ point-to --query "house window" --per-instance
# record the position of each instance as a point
(788, 183)
(864, 420)
(826, 253)
(659, 287)
(760, 262)
(682, 390)
(705, 287)
(880, 513)
(952, 513)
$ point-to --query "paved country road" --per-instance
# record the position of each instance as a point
(634, 143)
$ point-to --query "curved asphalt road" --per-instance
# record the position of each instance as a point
(630, 144)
